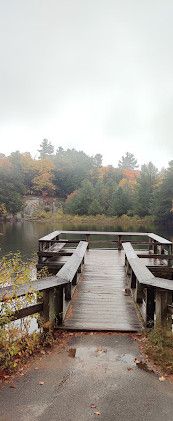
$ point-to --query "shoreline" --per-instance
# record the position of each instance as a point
(84, 219)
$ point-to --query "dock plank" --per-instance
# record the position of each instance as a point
(101, 301)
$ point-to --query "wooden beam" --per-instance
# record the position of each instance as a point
(27, 311)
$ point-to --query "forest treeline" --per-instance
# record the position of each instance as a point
(88, 187)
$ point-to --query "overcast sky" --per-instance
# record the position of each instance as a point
(94, 75)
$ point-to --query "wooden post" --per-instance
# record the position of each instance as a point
(163, 298)
(150, 307)
(87, 239)
(80, 268)
(150, 245)
(128, 269)
(162, 249)
(170, 252)
(155, 247)
(58, 291)
(139, 292)
(68, 291)
(133, 280)
(119, 242)
(74, 281)
(52, 306)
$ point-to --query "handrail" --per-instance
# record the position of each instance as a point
(56, 289)
(158, 296)
(153, 240)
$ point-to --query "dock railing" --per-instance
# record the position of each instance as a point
(153, 295)
(154, 242)
(58, 289)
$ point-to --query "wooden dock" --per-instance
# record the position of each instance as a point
(102, 300)
(98, 289)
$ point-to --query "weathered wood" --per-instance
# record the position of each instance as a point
(54, 254)
(69, 270)
(155, 256)
(150, 307)
(52, 307)
(50, 236)
(170, 309)
(58, 303)
(129, 251)
(38, 285)
(133, 280)
(160, 240)
(145, 279)
(139, 292)
(68, 292)
(101, 301)
(162, 299)
(27, 311)
(155, 247)
(119, 242)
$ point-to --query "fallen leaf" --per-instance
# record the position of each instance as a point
(97, 413)
(12, 386)
(136, 361)
(161, 379)
(41, 383)
(6, 298)
(129, 368)
(93, 405)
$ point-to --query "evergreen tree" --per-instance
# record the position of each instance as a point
(145, 188)
(95, 208)
(128, 162)
(162, 203)
(46, 150)
(120, 203)
(79, 201)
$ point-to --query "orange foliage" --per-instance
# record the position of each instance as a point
(102, 171)
(74, 193)
(131, 174)
(43, 183)
(4, 163)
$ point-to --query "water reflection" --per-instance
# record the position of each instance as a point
(23, 236)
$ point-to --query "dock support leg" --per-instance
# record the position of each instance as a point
(133, 280)
(170, 252)
(163, 298)
(150, 307)
(155, 247)
(150, 245)
(74, 281)
(52, 307)
(139, 292)
(119, 242)
(68, 291)
(87, 239)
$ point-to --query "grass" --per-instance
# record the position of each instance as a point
(159, 348)
(110, 220)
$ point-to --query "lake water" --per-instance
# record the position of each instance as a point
(23, 236)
